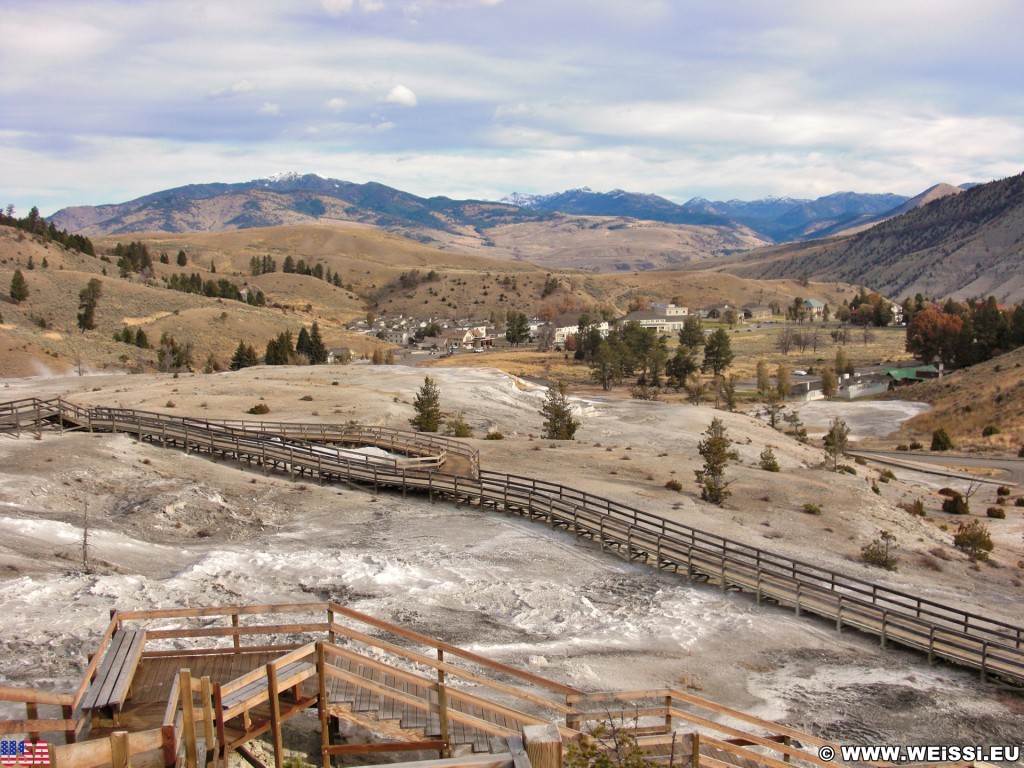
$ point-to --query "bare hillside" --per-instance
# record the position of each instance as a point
(963, 246)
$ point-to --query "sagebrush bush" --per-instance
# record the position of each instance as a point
(886, 475)
(1002, 490)
(811, 508)
(768, 461)
(990, 430)
(974, 540)
(879, 551)
(916, 445)
(941, 441)
(494, 435)
(674, 485)
(956, 505)
(915, 507)
(259, 409)
(996, 513)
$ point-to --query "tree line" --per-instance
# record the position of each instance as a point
(962, 333)
(37, 225)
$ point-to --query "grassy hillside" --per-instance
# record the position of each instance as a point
(968, 400)
(388, 275)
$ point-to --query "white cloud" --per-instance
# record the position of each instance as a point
(335, 105)
(337, 7)
(401, 96)
(240, 88)
(270, 109)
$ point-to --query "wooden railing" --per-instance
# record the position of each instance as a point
(942, 632)
(710, 724)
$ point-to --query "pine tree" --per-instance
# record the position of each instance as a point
(182, 259)
(428, 407)
(302, 343)
(88, 298)
(19, 287)
(715, 450)
(836, 440)
(718, 352)
(244, 357)
(317, 349)
(559, 423)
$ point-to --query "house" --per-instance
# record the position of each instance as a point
(717, 311)
(664, 318)
(815, 309)
(398, 336)
(568, 324)
(757, 312)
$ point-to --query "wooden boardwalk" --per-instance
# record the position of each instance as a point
(992, 647)
(193, 708)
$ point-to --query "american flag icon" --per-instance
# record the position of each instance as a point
(24, 753)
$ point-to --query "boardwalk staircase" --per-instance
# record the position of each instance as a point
(212, 680)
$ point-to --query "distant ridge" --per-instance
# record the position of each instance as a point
(950, 242)
(776, 218)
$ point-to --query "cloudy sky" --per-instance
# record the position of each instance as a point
(106, 100)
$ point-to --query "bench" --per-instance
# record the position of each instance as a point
(109, 688)
(252, 694)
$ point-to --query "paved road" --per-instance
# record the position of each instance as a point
(947, 464)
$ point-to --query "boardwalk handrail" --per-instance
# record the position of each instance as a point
(969, 638)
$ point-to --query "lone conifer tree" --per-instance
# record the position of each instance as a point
(559, 423)
(428, 407)
(836, 440)
(88, 298)
(715, 450)
(19, 287)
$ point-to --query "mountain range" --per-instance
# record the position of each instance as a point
(291, 198)
(960, 241)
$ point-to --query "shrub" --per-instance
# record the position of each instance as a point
(916, 445)
(674, 485)
(811, 508)
(902, 447)
(879, 551)
(259, 409)
(948, 492)
(974, 540)
(494, 435)
(306, 398)
(860, 460)
(1019, 502)
(996, 513)
(875, 489)
(170, 404)
(846, 469)
(768, 461)
(990, 430)
(915, 507)
(1020, 452)
(886, 475)
(1002, 490)
(941, 441)
(458, 427)
(956, 505)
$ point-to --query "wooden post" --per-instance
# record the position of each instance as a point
(330, 625)
(543, 745)
(236, 639)
(188, 718)
(218, 712)
(442, 707)
(322, 703)
(695, 750)
(668, 714)
(67, 713)
(206, 692)
(32, 713)
(275, 716)
(120, 751)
